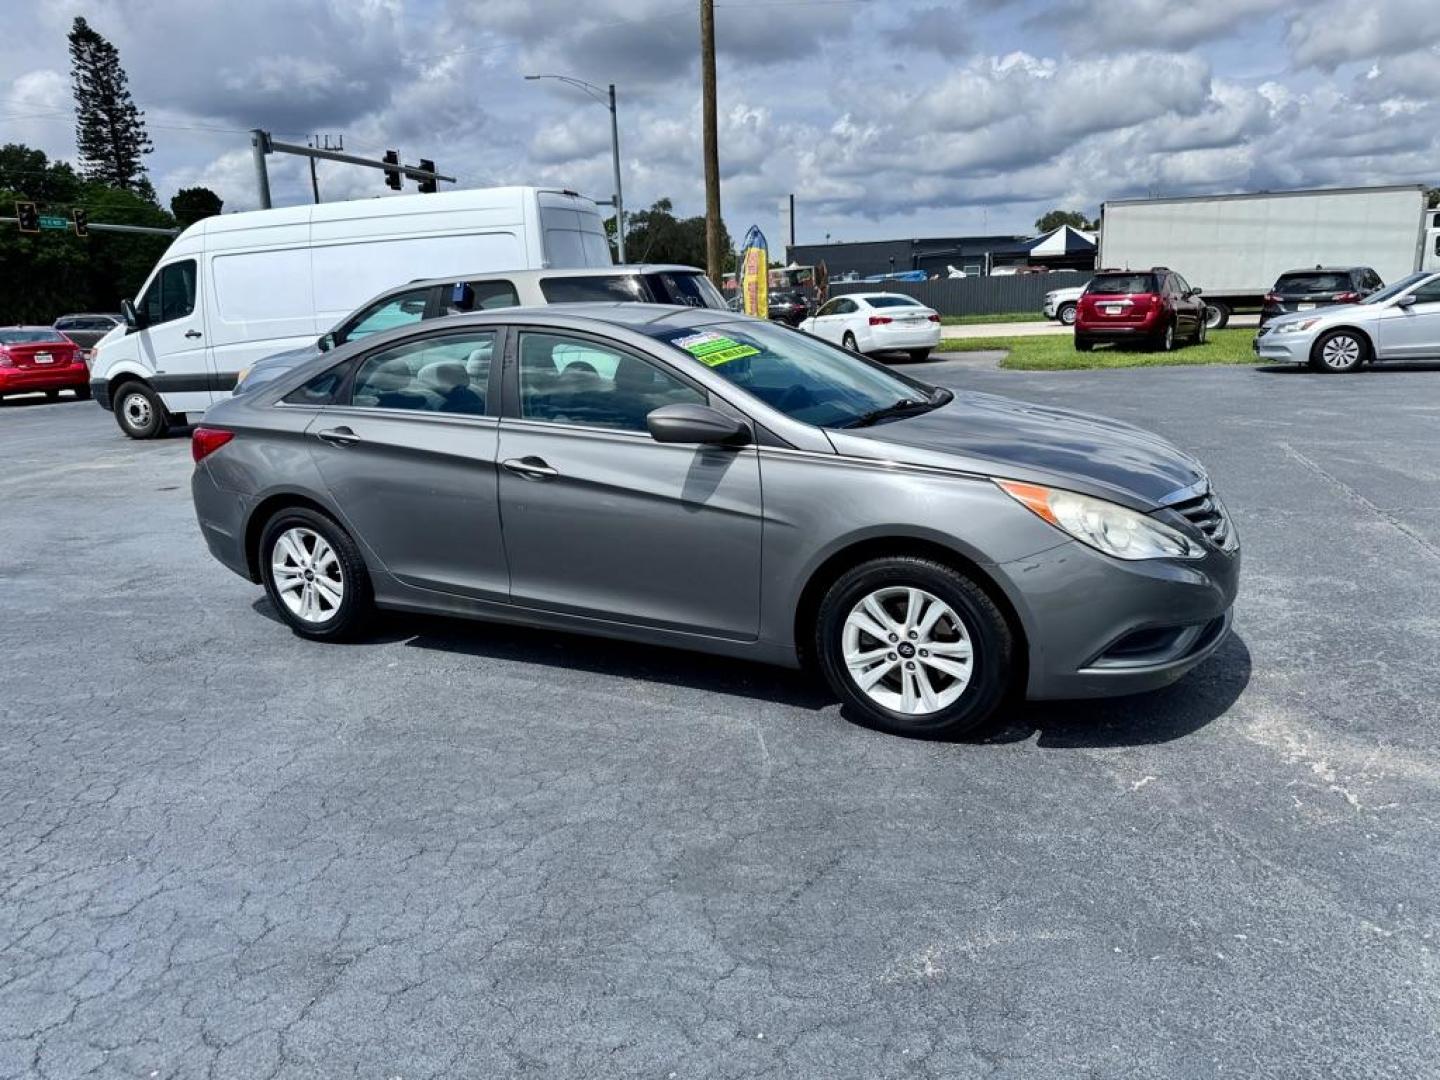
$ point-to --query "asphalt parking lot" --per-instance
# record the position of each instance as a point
(460, 850)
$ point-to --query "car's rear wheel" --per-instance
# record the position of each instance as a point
(1201, 333)
(914, 647)
(1083, 344)
(849, 342)
(314, 575)
(139, 411)
(1166, 341)
(1339, 351)
(82, 393)
(1067, 314)
(919, 355)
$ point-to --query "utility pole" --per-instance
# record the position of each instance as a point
(260, 146)
(714, 257)
(619, 199)
(792, 219)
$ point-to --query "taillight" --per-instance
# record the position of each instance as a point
(933, 317)
(204, 441)
(880, 320)
(1347, 298)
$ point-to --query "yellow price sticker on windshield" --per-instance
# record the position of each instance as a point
(712, 350)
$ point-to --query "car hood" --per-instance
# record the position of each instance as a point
(277, 364)
(1004, 437)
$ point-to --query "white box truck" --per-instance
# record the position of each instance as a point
(237, 287)
(1234, 247)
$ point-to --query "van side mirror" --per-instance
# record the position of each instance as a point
(695, 424)
(133, 319)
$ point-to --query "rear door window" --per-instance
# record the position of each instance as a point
(449, 374)
(479, 296)
(602, 288)
(685, 290)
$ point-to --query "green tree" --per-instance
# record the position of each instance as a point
(657, 235)
(193, 203)
(1432, 197)
(1055, 218)
(109, 129)
(30, 174)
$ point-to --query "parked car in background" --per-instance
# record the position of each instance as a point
(1061, 304)
(233, 288)
(649, 283)
(1155, 307)
(1399, 322)
(789, 307)
(931, 551)
(87, 330)
(877, 323)
(1306, 290)
(40, 358)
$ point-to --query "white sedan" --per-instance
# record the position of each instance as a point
(876, 323)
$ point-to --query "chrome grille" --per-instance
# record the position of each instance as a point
(1208, 515)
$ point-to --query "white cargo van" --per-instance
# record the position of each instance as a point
(234, 288)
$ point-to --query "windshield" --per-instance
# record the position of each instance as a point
(30, 337)
(1110, 284)
(1395, 288)
(801, 376)
(626, 288)
(1313, 282)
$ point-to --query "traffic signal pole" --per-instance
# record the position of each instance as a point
(262, 144)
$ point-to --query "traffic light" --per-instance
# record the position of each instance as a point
(392, 176)
(26, 217)
(427, 185)
(82, 221)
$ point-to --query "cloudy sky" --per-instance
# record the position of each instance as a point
(885, 117)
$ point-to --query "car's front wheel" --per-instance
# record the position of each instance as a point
(314, 575)
(1339, 351)
(1067, 314)
(139, 411)
(914, 647)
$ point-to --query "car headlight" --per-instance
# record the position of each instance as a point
(1296, 327)
(1107, 527)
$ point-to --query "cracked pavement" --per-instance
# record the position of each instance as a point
(463, 850)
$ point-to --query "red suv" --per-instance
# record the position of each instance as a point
(1155, 307)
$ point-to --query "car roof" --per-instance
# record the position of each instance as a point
(872, 295)
(1324, 270)
(21, 326)
(621, 270)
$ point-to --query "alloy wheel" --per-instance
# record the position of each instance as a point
(1067, 315)
(1340, 352)
(307, 574)
(907, 650)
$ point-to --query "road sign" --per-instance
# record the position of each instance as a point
(49, 221)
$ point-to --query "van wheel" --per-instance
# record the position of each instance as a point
(139, 412)
(314, 575)
(914, 647)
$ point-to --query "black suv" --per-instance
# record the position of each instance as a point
(789, 306)
(1301, 290)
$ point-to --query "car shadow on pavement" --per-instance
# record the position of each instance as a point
(1161, 716)
(1386, 367)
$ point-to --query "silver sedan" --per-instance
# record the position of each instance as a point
(1400, 322)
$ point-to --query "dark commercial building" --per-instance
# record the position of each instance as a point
(976, 255)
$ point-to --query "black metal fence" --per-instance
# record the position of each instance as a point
(974, 295)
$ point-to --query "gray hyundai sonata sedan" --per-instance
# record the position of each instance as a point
(698, 479)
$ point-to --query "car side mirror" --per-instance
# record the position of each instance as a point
(1408, 300)
(133, 319)
(1196, 292)
(325, 342)
(695, 424)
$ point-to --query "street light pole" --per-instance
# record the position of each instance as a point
(609, 102)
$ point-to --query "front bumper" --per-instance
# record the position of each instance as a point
(1101, 627)
(33, 380)
(1283, 348)
(1048, 309)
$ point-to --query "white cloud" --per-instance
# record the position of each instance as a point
(1333, 32)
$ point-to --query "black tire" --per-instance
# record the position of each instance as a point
(848, 342)
(1083, 344)
(1066, 314)
(1343, 358)
(52, 395)
(82, 393)
(919, 355)
(1166, 341)
(357, 597)
(990, 639)
(1201, 332)
(139, 411)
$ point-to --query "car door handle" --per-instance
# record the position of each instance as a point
(193, 333)
(532, 468)
(340, 436)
